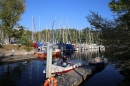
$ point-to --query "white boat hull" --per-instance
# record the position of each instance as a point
(59, 69)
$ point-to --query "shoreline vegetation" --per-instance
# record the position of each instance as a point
(10, 49)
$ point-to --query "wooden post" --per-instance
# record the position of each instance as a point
(49, 60)
(99, 50)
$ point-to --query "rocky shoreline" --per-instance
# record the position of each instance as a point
(5, 53)
(15, 55)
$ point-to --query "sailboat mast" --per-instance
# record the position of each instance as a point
(33, 28)
(53, 30)
(39, 29)
(46, 33)
(86, 35)
(76, 35)
(63, 36)
(66, 30)
(60, 29)
(79, 40)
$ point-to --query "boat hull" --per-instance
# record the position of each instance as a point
(40, 54)
(44, 54)
(99, 63)
(60, 69)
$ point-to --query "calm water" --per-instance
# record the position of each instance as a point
(107, 77)
(30, 72)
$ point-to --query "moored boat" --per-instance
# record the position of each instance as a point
(98, 61)
(62, 67)
(44, 58)
(44, 54)
(56, 52)
(40, 54)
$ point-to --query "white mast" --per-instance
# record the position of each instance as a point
(32, 28)
(60, 29)
(66, 29)
(39, 29)
(63, 34)
(46, 33)
(52, 25)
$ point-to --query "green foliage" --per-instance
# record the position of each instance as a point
(17, 33)
(25, 37)
(71, 35)
(119, 6)
(111, 33)
(99, 22)
(116, 34)
(28, 48)
(122, 9)
(0, 46)
(10, 13)
(122, 30)
(25, 41)
(18, 46)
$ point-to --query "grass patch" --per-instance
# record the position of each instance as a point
(16, 47)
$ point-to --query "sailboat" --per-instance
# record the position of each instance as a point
(33, 44)
(42, 52)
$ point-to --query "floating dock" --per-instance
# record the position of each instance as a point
(76, 76)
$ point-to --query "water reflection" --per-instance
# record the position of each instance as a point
(108, 77)
(30, 72)
(22, 73)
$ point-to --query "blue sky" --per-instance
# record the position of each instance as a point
(71, 13)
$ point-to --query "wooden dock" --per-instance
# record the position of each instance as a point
(75, 77)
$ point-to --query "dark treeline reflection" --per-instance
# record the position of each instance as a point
(121, 59)
(10, 73)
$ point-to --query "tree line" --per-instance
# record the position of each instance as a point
(10, 14)
(104, 31)
(116, 32)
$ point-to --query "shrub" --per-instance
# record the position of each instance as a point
(28, 48)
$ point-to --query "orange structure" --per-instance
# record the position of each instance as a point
(50, 82)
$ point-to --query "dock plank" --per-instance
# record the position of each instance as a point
(76, 76)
